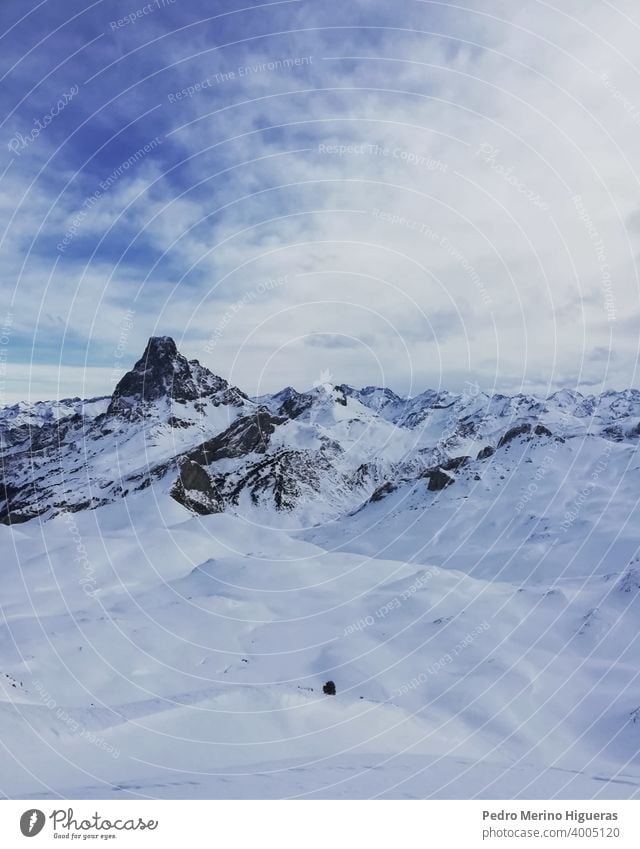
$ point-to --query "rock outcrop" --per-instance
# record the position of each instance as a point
(195, 490)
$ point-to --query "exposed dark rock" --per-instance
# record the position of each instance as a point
(513, 433)
(541, 430)
(487, 451)
(438, 479)
(249, 434)
(20, 504)
(467, 428)
(329, 689)
(438, 476)
(282, 478)
(363, 473)
(292, 403)
(195, 490)
(374, 397)
(614, 433)
(454, 463)
(17, 517)
(382, 491)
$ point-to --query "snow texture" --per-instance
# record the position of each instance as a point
(184, 568)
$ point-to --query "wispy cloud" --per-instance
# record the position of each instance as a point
(452, 191)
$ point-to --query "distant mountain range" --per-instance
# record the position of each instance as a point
(310, 456)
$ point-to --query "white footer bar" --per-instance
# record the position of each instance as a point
(320, 824)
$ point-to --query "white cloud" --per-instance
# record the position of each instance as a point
(444, 239)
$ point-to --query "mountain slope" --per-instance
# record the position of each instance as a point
(293, 459)
(463, 567)
(195, 650)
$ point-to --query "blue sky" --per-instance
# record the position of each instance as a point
(410, 194)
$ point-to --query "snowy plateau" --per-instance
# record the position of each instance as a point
(184, 568)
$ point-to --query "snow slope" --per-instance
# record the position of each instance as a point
(184, 567)
(148, 652)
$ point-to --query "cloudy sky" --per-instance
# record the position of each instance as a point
(408, 194)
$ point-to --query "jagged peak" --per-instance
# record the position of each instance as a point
(160, 346)
(162, 372)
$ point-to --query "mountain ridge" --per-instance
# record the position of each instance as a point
(316, 455)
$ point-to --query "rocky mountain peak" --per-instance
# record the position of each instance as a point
(160, 348)
(163, 372)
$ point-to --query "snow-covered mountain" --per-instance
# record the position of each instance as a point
(185, 566)
(296, 457)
